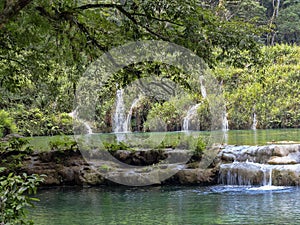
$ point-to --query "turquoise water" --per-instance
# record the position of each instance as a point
(167, 205)
(231, 137)
(172, 205)
(262, 137)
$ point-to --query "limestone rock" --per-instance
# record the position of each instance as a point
(275, 160)
(284, 150)
(195, 176)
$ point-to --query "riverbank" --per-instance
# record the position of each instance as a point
(233, 165)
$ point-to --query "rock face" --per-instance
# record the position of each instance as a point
(259, 154)
(137, 168)
(236, 165)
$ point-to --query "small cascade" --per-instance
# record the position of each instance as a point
(87, 127)
(254, 122)
(270, 177)
(246, 173)
(128, 120)
(203, 90)
(120, 121)
(225, 126)
(193, 110)
(190, 114)
(260, 165)
(74, 115)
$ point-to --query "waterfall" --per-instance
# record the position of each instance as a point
(267, 182)
(128, 120)
(225, 126)
(88, 128)
(254, 122)
(203, 90)
(246, 173)
(191, 112)
(119, 116)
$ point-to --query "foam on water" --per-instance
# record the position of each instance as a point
(268, 188)
(240, 189)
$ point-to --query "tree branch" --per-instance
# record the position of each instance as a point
(89, 36)
(13, 60)
(11, 9)
(158, 19)
(95, 6)
(125, 13)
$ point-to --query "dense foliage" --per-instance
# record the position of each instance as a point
(47, 45)
(16, 188)
(15, 191)
(271, 93)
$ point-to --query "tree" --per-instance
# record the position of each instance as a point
(288, 24)
(47, 45)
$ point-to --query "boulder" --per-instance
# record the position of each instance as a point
(284, 150)
(275, 160)
(195, 176)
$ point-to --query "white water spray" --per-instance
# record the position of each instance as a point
(225, 126)
(203, 90)
(128, 120)
(190, 114)
(88, 128)
(254, 122)
(119, 125)
(193, 110)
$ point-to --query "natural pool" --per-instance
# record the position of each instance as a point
(176, 204)
(231, 137)
(167, 205)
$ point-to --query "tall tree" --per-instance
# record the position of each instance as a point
(46, 45)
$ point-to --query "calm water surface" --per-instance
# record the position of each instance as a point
(167, 205)
(231, 137)
(173, 205)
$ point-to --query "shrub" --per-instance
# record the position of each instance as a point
(13, 152)
(14, 191)
(63, 144)
(7, 125)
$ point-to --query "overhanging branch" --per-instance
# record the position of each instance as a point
(11, 9)
(125, 13)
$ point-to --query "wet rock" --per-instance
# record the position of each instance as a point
(240, 165)
(284, 150)
(242, 173)
(228, 157)
(287, 175)
(89, 176)
(195, 176)
(282, 160)
(141, 157)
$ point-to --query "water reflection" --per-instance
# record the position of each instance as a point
(167, 205)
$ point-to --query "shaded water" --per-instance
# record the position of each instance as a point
(167, 205)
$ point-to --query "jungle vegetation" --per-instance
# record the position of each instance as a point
(45, 47)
